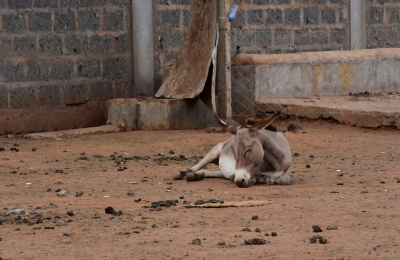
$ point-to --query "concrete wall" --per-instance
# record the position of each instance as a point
(256, 77)
(60, 60)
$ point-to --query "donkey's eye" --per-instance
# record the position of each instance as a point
(248, 150)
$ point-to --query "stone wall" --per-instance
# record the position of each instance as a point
(60, 60)
(270, 26)
(383, 24)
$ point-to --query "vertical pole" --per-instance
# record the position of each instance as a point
(358, 24)
(143, 52)
(224, 61)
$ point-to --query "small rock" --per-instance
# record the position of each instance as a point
(68, 234)
(314, 239)
(196, 241)
(246, 230)
(274, 234)
(2, 149)
(79, 194)
(62, 193)
(316, 229)
(323, 240)
(255, 217)
(258, 230)
(16, 211)
(332, 227)
(70, 213)
(255, 241)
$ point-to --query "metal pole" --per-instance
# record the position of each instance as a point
(143, 52)
(224, 61)
(358, 24)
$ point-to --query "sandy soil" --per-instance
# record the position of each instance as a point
(345, 180)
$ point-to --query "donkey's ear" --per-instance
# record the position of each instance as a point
(232, 129)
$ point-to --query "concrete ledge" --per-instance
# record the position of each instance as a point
(159, 114)
(259, 76)
(370, 110)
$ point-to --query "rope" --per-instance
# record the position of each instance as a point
(237, 13)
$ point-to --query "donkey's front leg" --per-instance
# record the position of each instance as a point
(191, 173)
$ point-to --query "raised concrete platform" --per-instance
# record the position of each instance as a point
(158, 114)
(361, 110)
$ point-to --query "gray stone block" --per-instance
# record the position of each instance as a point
(94, 3)
(255, 16)
(123, 89)
(263, 38)
(338, 35)
(75, 94)
(62, 69)
(375, 15)
(171, 17)
(2, 3)
(18, 4)
(113, 67)
(180, 2)
(3, 97)
(39, 21)
(319, 36)
(51, 45)
(394, 14)
(45, 3)
(88, 68)
(261, 2)
(245, 38)
(48, 96)
(100, 91)
(100, 44)
(120, 2)
(64, 21)
(25, 46)
(89, 20)
(13, 23)
(37, 70)
(274, 16)
(22, 98)
(70, 3)
(328, 16)
(121, 43)
(177, 39)
(5, 47)
(282, 36)
(240, 20)
(76, 44)
(113, 21)
(311, 16)
(292, 16)
(283, 2)
(186, 18)
(10, 72)
(301, 37)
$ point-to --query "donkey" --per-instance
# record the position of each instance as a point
(256, 153)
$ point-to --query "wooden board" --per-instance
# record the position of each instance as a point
(190, 70)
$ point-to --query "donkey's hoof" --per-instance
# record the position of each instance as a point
(178, 175)
(284, 180)
(192, 176)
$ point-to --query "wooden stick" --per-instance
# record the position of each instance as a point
(250, 203)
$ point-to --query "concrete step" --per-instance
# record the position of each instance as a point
(361, 109)
(158, 114)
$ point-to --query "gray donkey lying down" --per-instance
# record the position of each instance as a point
(254, 154)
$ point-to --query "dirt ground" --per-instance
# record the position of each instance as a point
(346, 180)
